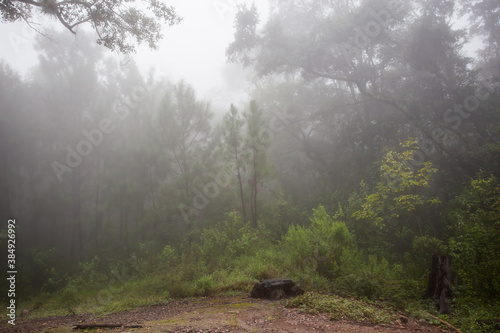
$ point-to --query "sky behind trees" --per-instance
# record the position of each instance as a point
(193, 50)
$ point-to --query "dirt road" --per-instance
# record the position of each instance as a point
(215, 314)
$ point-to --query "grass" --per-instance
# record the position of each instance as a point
(161, 287)
(342, 308)
(190, 277)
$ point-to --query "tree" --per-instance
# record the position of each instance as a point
(12, 117)
(184, 125)
(475, 244)
(395, 206)
(403, 57)
(68, 87)
(233, 140)
(257, 143)
(485, 17)
(115, 22)
(323, 138)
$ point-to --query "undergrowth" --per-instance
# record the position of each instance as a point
(230, 258)
(342, 308)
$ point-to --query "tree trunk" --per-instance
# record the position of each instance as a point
(34, 232)
(254, 190)
(241, 185)
(5, 210)
(439, 287)
(76, 238)
(97, 212)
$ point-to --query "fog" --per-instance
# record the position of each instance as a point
(161, 153)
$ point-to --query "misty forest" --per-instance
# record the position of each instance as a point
(363, 164)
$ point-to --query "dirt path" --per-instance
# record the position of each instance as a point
(215, 314)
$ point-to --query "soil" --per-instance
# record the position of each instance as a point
(215, 315)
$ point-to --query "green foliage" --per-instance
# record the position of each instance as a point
(341, 308)
(280, 215)
(168, 254)
(469, 310)
(84, 284)
(375, 278)
(54, 282)
(204, 285)
(232, 238)
(475, 244)
(320, 247)
(89, 275)
(265, 263)
(389, 216)
(394, 195)
(40, 265)
(423, 248)
(231, 256)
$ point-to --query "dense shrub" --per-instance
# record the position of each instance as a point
(319, 247)
(230, 239)
(475, 244)
(374, 277)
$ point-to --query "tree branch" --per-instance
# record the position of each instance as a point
(80, 22)
(57, 13)
(31, 2)
(75, 2)
(362, 88)
(443, 322)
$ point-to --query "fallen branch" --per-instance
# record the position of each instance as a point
(96, 325)
(443, 322)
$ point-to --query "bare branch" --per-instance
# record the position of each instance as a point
(38, 31)
(31, 2)
(81, 22)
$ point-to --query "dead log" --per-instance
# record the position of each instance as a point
(439, 286)
(97, 325)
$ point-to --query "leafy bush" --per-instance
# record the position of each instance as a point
(204, 285)
(168, 254)
(41, 272)
(423, 248)
(232, 238)
(319, 247)
(279, 216)
(88, 280)
(374, 278)
(89, 276)
(387, 219)
(475, 245)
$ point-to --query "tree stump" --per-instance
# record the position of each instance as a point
(275, 289)
(439, 287)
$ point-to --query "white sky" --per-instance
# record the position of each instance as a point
(194, 50)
